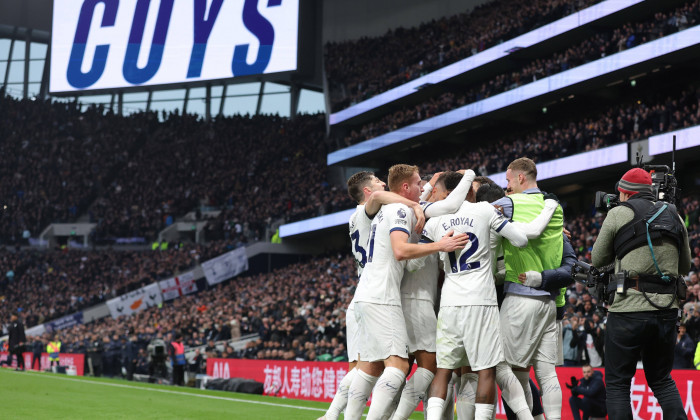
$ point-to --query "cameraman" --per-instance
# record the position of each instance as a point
(644, 304)
(588, 394)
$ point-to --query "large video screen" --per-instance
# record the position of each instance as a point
(107, 44)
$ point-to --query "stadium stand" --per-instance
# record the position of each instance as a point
(380, 63)
(247, 167)
(128, 207)
(55, 160)
(636, 119)
(299, 311)
(135, 175)
(601, 44)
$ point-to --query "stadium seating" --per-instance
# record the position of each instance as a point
(257, 169)
(357, 70)
(55, 160)
(298, 311)
(114, 171)
(601, 44)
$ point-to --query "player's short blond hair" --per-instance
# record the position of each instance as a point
(526, 166)
(398, 174)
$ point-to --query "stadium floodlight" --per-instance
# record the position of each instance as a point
(111, 44)
(602, 67)
(546, 32)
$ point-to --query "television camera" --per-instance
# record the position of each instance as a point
(664, 184)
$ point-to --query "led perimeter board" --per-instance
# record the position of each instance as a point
(120, 44)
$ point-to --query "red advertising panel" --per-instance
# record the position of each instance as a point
(66, 359)
(317, 381)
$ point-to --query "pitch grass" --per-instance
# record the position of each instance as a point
(32, 395)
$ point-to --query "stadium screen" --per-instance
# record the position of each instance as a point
(112, 44)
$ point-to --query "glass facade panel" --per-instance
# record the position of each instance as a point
(33, 89)
(135, 97)
(240, 98)
(16, 72)
(169, 94)
(4, 48)
(18, 51)
(36, 70)
(240, 105)
(311, 102)
(38, 50)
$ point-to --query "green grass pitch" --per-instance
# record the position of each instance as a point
(31, 395)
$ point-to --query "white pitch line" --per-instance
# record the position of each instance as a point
(213, 397)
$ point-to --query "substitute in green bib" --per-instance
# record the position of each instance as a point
(528, 314)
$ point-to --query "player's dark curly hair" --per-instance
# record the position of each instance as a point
(357, 182)
(449, 179)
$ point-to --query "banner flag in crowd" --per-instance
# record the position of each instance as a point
(135, 301)
(225, 266)
(177, 286)
(67, 321)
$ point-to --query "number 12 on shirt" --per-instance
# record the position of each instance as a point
(466, 253)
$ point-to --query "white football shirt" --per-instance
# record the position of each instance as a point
(468, 272)
(422, 283)
(359, 236)
(380, 281)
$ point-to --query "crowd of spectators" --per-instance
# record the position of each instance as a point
(359, 69)
(298, 312)
(599, 45)
(45, 285)
(55, 159)
(624, 122)
(135, 175)
(251, 167)
(256, 170)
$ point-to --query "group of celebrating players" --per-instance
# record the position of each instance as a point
(463, 233)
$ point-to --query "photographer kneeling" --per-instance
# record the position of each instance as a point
(648, 243)
(587, 395)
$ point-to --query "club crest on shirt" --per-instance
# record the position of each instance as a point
(401, 213)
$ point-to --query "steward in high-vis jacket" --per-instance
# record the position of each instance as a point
(54, 349)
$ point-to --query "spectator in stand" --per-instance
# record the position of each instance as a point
(572, 356)
(685, 350)
(692, 323)
(589, 340)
